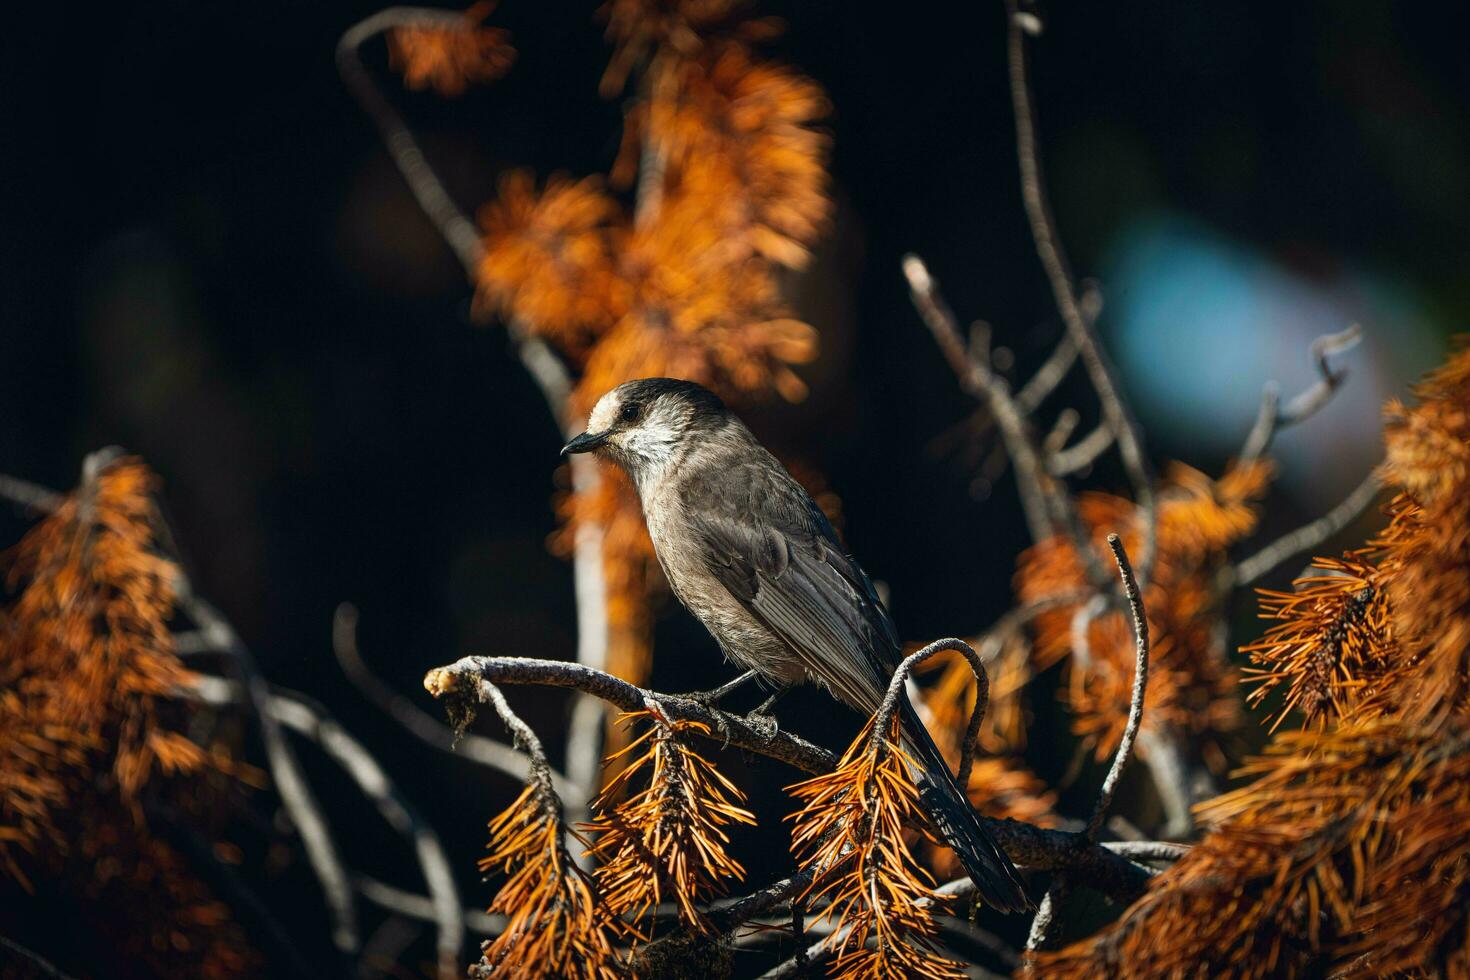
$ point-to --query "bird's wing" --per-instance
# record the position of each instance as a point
(768, 543)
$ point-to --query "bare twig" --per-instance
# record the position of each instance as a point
(29, 496)
(37, 965)
(455, 227)
(1062, 357)
(1140, 688)
(1064, 290)
(897, 689)
(976, 377)
(1048, 376)
(584, 737)
(1170, 774)
(1272, 417)
(1148, 850)
(1257, 566)
(1039, 934)
(1048, 508)
(488, 752)
(421, 907)
(1083, 453)
(1041, 925)
(291, 785)
(296, 713)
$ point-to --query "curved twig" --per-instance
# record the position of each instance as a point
(1064, 290)
(897, 689)
(479, 749)
(294, 711)
(1272, 417)
(1250, 570)
(406, 903)
(1140, 689)
(291, 785)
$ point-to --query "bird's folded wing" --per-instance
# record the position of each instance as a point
(783, 564)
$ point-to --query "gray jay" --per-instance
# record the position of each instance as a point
(754, 559)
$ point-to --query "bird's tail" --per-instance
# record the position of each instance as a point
(946, 806)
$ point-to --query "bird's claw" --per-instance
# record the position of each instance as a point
(767, 724)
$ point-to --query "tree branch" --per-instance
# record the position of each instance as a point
(1064, 290)
(291, 785)
(1272, 418)
(1250, 570)
(480, 749)
(1027, 845)
(584, 737)
(1048, 508)
(297, 713)
(1140, 688)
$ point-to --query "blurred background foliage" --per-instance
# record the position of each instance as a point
(210, 260)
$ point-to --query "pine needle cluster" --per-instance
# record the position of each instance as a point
(90, 714)
(1346, 851)
(555, 926)
(668, 839)
(851, 836)
(1192, 686)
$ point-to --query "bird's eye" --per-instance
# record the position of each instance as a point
(629, 412)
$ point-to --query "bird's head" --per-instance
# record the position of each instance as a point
(646, 424)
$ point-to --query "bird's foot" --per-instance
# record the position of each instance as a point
(710, 699)
(764, 722)
(763, 719)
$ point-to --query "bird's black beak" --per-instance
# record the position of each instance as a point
(585, 443)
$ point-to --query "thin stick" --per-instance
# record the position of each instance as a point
(38, 963)
(584, 737)
(1140, 688)
(1262, 563)
(488, 752)
(1048, 376)
(978, 380)
(1048, 509)
(897, 689)
(406, 903)
(29, 496)
(1148, 850)
(291, 785)
(455, 227)
(1083, 453)
(295, 712)
(1272, 418)
(1038, 936)
(1054, 264)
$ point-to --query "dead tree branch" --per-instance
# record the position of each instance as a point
(480, 749)
(584, 737)
(1124, 754)
(1028, 845)
(1064, 290)
(1250, 570)
(1273, 417)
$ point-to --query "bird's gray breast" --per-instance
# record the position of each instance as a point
(681, 553)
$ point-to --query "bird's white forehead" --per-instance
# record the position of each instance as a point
(604, 412)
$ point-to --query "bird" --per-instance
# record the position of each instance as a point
(749, 553)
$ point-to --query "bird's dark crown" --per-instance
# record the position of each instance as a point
(706, 410)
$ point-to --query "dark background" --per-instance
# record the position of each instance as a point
(207, 258)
